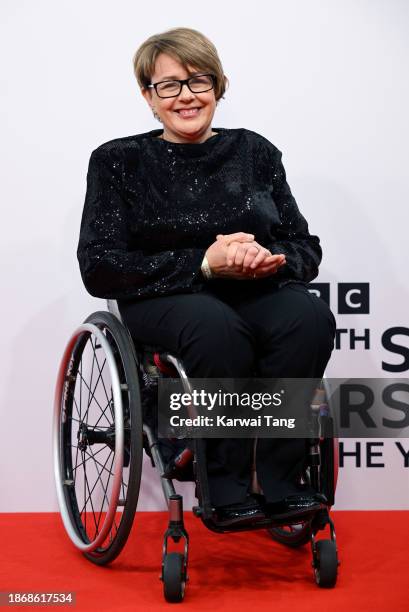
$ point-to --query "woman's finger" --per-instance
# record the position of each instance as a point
(231, 253)
(240, 254)
(274, 259)
(268, 269)
(252, 252)
(239, 236)
(260, 258)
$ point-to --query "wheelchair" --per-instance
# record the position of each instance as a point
(105, 397)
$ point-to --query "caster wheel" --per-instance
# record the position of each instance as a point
(174, 577)
(325, 563)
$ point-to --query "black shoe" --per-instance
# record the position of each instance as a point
(296, 507)
(248, 511)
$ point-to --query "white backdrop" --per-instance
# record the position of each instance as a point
(326, 81)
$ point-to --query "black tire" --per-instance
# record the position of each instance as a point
(292, 536)
(174, 578)
(86, 520)
(325, 563)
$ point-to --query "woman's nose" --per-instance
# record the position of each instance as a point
(185, 93)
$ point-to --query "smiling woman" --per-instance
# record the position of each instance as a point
(186, 114)
(182, 80)
(195, 232)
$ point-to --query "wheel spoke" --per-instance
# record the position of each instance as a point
(105, 497)
(85, 494)
(100, 377)
(74, 469)
(103, 468)
(96, 482)
(99, 428)
(124, 486)
(103, 414)
(100, 372)
(80, 385)
(92, 395)
(91, 457)
(111, 404)
(92, 505)
(92, 372)
(76, 406)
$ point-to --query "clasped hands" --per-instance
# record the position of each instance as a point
(240, 256)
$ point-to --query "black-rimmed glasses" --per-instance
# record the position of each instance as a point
(197, 84)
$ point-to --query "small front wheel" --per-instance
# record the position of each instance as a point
(174, 577)
(325, 563)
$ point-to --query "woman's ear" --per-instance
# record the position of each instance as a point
(147, 94)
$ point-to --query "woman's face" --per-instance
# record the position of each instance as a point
(177, 126)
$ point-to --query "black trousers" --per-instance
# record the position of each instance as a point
(231, 330)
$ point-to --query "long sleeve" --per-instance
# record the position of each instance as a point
(292, 238)
(110, 266)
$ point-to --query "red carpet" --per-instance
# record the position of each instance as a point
(228, 572)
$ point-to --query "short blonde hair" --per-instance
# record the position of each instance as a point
(187, 46)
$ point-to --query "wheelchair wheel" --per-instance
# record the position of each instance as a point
(174, 577)
(98, 437)
(325, 563)
(292, 535)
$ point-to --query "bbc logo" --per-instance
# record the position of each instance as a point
(353, 298)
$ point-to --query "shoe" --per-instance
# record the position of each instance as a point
(296, 507)
(248, 511)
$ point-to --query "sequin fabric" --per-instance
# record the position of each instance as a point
(152, 208)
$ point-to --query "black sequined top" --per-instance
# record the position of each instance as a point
(153, 207)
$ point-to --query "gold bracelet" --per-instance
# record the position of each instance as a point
(206, 270)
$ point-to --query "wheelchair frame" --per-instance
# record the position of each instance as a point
(126, 437)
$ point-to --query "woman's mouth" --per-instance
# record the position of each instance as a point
(187, 113)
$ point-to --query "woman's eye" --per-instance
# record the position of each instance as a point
(170, 85)
(200, 81)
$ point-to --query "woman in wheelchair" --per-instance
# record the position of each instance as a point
(193, 229)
